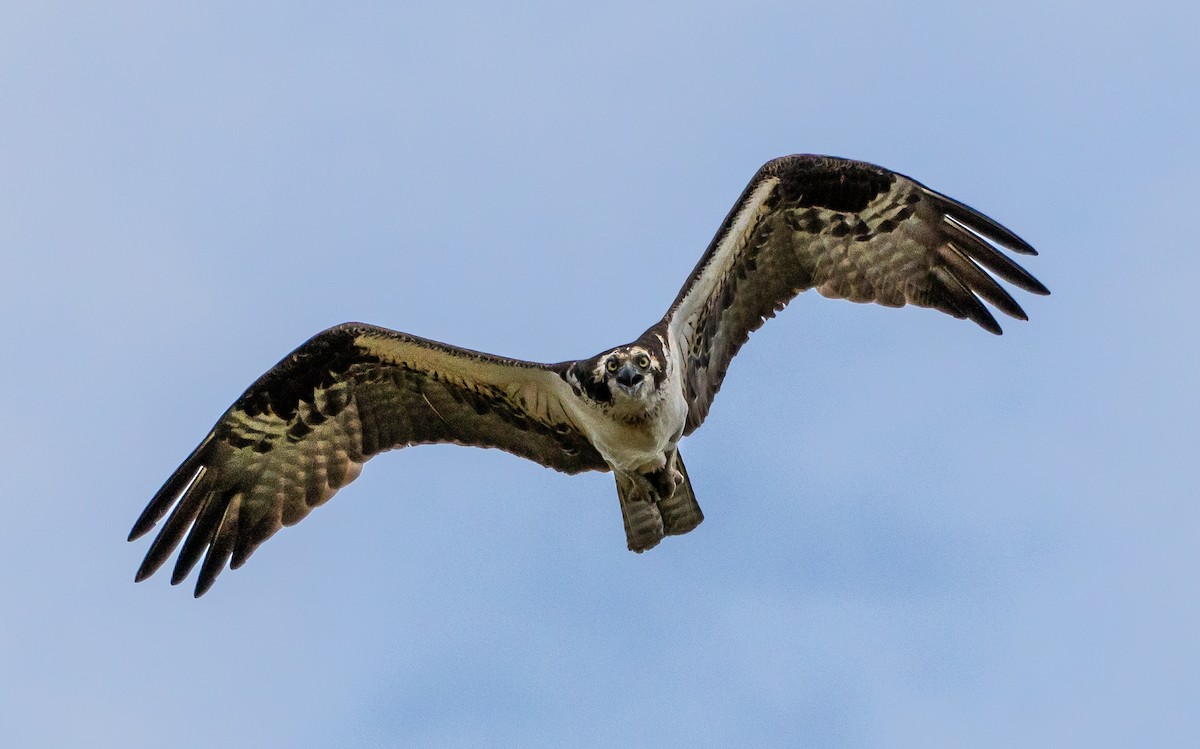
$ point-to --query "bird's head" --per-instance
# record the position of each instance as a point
(626, 373)
(630, 371)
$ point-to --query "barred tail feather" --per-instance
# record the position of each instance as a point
(643, 523)
(680, 512)
(647, 516)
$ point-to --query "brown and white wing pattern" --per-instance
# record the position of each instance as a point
(850, 230)
(305, 428)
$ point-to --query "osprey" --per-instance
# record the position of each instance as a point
(304, 429)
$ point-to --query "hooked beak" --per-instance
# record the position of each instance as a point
(629, 378)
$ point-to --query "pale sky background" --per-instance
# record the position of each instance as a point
(917, 534)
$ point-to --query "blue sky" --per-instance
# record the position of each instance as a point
(917, 534)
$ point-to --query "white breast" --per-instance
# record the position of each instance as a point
(641, 446)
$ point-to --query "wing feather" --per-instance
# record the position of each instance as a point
(851, 231)
(979, 282)
(307, 426)
(992, 259)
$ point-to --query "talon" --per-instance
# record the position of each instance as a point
(664, 482)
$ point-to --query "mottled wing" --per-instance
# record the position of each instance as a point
(305, 428)
(851, 231)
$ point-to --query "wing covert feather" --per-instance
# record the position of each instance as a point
(850, 230)
(305, 428)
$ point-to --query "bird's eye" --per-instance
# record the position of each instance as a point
(611, 366)
(642, 361)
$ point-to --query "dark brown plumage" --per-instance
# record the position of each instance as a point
(851, 231)
(304, 429)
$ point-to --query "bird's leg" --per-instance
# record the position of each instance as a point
(676, 503)
(643, 523)
(665, 479)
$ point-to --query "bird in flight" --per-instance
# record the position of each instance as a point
(302, 431)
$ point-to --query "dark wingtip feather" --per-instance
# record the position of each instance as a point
(979, 282)
(984, 319)
(205, 581)
(150, 565)
(180, 572)
(988, 227)
(171, 489)
(1038, 288)
(957, 299)
(966, 239)
(243, 547)
(143, 572)
(176, 526)
(976, 311)
(202, 535)
(218, 554)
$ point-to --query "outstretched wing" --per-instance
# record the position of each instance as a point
(305, 428)
(850, 230)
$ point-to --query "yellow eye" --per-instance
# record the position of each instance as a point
(611, 366)
(642, 361)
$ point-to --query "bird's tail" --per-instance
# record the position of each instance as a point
(648, 517)
(680, 512)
